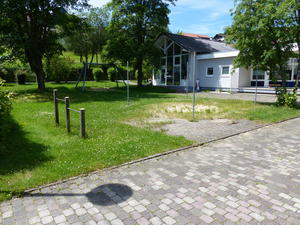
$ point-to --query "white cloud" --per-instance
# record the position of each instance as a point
(98, 3)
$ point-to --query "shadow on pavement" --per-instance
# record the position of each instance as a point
(104, 195)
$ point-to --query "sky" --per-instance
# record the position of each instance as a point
(196, 16)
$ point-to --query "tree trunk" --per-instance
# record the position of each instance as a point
(283, 76)
(36, 66)
(140, 71)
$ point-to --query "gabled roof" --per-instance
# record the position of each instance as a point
(198, 45)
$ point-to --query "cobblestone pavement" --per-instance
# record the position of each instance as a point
(253, 178)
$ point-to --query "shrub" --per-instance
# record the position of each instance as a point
(58, 69)
(21, 78)
(112, 74)
(100, 75)
(5, 108)
(7, 74)
(285, 98)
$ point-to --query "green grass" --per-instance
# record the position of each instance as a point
(37, 152)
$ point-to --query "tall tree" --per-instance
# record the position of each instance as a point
(28, 29)
(88, 36)
(134, 26)
(263, 34)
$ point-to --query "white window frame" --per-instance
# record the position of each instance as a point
(221, 71)
(210, 75)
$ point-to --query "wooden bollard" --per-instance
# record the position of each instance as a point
(56, 114)
(68, 119)
(82, 123)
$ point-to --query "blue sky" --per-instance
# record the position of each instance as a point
(196, 16)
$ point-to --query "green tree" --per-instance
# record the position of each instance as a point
(88, 36)
(263, 33)
(134, 27)
(28, 29)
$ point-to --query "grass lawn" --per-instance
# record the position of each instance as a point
(37, 152)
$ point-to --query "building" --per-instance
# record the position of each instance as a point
(219, 37)
(212, 63)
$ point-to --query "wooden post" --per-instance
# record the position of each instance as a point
(67, 102)
(82, 123)
(56, 114)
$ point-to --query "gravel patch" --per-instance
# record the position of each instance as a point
(203, 130)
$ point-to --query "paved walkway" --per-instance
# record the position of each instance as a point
(253, 178)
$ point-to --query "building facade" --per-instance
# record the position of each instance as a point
(212, 63)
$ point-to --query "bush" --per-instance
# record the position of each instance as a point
(112, 74)
(7, 74)
(285, 98)
(100, 75)
(58, 69)
(5, 108)
(21, 78)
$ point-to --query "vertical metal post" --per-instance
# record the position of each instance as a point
(82, 123)
(255, 100)
(194, 78)
(68, 119)
(56, 114)
(127, 83)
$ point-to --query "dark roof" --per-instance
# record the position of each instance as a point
(199, 45)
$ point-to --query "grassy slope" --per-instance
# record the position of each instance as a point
(39, 153)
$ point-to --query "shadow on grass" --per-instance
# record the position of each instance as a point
(108, 94)
(18, 153)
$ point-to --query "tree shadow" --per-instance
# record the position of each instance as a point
(18, 152)
(104, 195)
(111, 94)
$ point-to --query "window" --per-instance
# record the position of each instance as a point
(225, 70)
(177, 60)
(210, 71)
(163, 61)
(177, 49)
(184, 64)
(295, 69)
(258, 74)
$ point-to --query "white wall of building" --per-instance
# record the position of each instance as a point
(244, 77)
(217, 80)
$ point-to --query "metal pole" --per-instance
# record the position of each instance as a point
(82, 123)
(127, 83)
(194, 78)
(56, 107)
(255, 90)
(67, 103)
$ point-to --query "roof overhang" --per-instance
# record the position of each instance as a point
(217, 55)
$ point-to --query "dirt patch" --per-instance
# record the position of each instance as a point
(201, 131)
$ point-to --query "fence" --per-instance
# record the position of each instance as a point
(66, 100)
